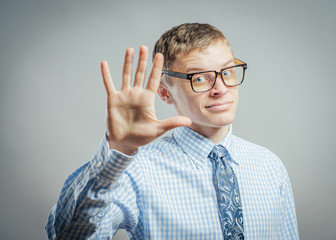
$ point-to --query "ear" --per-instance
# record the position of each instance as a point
(165, 94)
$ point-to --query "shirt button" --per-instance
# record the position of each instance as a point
(99, 164)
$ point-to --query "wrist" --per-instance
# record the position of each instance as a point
(124, 148)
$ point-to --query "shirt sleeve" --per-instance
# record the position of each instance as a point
(97, 199)
(288, 228)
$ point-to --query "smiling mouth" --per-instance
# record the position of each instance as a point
(219, 106)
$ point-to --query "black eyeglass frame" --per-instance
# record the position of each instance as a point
(188, 76)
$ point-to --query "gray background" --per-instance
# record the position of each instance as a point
(52, 99)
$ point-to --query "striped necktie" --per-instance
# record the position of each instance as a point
(228, 196)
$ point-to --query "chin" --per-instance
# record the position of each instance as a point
(217, 124)
(221, 121)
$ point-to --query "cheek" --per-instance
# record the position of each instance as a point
(236, 93)
(188, 104)
(195, 108)
(186, 101)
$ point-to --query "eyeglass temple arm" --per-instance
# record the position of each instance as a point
(240, 62)
(175, 74)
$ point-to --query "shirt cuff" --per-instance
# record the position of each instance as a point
(110, 163)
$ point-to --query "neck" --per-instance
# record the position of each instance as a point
(215, 134)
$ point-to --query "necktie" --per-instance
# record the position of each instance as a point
(228, 196)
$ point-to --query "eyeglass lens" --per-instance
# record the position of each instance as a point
(205, 81)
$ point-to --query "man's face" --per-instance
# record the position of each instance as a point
(208, 110)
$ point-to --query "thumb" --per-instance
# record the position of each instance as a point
(174, 122)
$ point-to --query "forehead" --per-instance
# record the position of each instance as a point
(215, 57)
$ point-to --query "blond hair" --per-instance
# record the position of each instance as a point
(185, 38)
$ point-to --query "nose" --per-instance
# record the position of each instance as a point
(219, 88)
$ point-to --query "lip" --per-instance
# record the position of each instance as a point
(217, 107)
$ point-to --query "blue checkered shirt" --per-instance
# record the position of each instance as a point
(166, 191)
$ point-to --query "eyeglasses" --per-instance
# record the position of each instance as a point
(205, 81)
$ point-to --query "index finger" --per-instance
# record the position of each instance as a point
(155, 76)
(105, 70)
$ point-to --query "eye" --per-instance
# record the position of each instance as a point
(199, 79)
(226, 73)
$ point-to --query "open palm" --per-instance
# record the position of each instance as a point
(131, 119)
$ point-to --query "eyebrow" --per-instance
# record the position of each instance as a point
(198, 69)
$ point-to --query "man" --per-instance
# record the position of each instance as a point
(198, 182)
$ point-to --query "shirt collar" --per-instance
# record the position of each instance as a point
(198, 147)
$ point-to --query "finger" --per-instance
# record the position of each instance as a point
(107, 79)
(155, 76)
(174, 122)
(142, 66)
(127, 70)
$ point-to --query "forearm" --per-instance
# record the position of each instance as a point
(86, 196)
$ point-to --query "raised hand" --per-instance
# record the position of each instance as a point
(131, 119)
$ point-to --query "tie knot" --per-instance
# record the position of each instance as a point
(218, 152)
